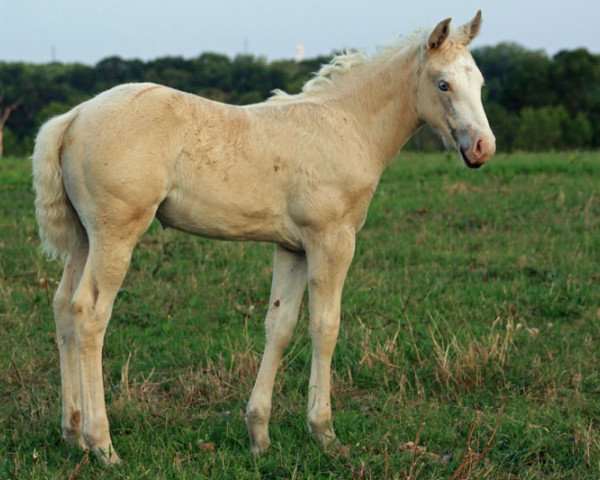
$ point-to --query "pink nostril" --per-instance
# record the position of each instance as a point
(478, 150)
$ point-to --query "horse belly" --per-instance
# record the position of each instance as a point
(232, 216)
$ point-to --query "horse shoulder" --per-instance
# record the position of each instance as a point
(338, 189)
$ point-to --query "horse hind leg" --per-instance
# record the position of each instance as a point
(91, 307)
(65, 338)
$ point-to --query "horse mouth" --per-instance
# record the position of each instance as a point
(456, 136)
(468, 163)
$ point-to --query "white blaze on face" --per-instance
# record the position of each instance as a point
(451, 103)
(466, 82)
(449, 92)
(472, 131)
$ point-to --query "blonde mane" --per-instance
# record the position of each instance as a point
(331, 74)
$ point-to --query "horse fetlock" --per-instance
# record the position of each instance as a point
(325, 332)
(71, 428)
(323, 433)
(257, 422)
(74, 437)
(256, 416)
(96, 434)
(99, 443)
(259, 443)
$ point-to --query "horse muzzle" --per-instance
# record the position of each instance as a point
(475, 146)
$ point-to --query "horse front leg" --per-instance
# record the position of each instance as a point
(329, 257)
(289, 282)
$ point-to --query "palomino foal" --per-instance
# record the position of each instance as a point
(297, 170)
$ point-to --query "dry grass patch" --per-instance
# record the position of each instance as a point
(463, 364)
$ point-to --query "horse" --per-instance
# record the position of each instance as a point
(296, 170)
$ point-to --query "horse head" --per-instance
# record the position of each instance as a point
(449, 92)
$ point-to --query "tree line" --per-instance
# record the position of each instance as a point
(533, 101)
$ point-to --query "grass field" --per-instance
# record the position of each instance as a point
(469, 290)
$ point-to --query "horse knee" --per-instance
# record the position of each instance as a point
(279, 336)
(279, 326)
(325, 332)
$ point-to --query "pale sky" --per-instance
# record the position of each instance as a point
(87, 31)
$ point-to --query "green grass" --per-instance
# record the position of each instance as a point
(468, 287)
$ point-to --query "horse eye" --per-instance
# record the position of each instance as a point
(443, 86)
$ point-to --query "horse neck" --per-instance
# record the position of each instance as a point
(381, 95)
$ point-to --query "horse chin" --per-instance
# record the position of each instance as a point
(468, 163)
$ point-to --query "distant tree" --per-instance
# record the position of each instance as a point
(528, 85)
(504, 125)
(577, 132)
(175, 72)
(80, 77)
(171, 77)
(248, 98)
(516, 77)
(541, 128)
(5, 112)
(250, 74)
(213, 94)
(575, 76)
(51, 110)
(212, 70)
(113, 71)
(533, 101)
(498, 64)
(12, 145)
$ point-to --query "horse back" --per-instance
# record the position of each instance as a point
(262, 172)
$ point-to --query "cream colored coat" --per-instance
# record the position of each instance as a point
(298, 171)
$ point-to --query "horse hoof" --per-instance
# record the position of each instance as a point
(107, 457)
(325, 436)
(258, 428)
(76, 440)
(260, 447)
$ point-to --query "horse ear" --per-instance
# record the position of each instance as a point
(439, 34)
(470, 30)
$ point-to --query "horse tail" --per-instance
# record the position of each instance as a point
(55, 215)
